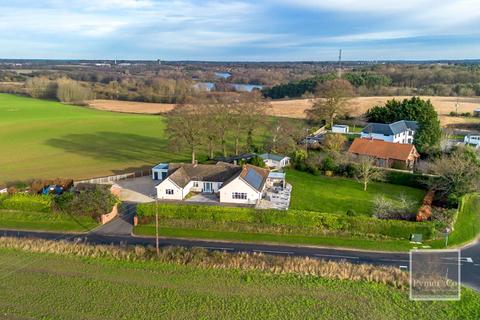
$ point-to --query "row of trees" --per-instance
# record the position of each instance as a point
(63, 89)
(210, 122)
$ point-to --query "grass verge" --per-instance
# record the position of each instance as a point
(467, 225)
(331, 241)
(20, 220)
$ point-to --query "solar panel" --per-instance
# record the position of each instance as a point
(254, 179)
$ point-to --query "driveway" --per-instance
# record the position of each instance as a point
(138, 190)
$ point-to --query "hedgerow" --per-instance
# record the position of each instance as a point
(294, 218)
(27, 202)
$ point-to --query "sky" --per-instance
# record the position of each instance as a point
(240, 30)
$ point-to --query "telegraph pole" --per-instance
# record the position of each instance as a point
(339, 71)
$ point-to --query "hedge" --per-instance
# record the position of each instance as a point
(406, 179)
(27, 202)
(296, 218)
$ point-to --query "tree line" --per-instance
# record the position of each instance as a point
(229, 124)
(63, 89)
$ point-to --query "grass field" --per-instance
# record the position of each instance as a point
(45, 139)
(49, 221)
(49, 286)
(337, 195)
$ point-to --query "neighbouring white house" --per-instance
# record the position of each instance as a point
(340, 128)
(232, 183)
(472, 140)
(275, 161)
(398, 132)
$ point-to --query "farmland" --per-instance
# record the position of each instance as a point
(40, 285)
(296, 108)
(45, 139)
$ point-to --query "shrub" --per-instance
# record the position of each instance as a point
(328, 164)
(27, 202)
(294, 218)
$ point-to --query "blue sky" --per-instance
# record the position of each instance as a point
(241, 30)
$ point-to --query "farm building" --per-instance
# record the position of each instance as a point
(387, 154)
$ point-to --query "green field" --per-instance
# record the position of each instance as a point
(45, 221)
(338, 195)
(49, 286)
(46, 139)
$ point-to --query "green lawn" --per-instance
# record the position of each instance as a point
(337, 195)
(45, 139)
(358, 242)
(467, 225)
(48, 286)
(45, 221)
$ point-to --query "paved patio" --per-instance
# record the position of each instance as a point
(203, 198)
(276, 198)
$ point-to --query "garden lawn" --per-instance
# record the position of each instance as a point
(338, 195)
(50, 221)
(48, 286)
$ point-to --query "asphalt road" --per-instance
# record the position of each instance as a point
(470, 257)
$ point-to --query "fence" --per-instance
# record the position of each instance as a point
(118, 177)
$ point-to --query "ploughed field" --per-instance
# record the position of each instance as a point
(46, 139)
(296, 108)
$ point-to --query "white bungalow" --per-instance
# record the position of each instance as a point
(275, 161)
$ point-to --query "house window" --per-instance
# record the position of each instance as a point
(169, 191)
(239, 195)
(195, 184)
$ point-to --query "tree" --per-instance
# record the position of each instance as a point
(41, 87)
(334, 142)
(285, 135)
(367, 171)
(185, 128)
(249, 116)
(333, 102)
(71, 91)
(459, 173)
(429, 133)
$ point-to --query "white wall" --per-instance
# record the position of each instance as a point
(402, 137)
(277, 164)
(238, 185)
(168, 184)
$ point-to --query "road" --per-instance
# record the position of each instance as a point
(470, 256)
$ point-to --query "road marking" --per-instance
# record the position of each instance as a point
(394, 260)
(335, 256)
(470, 260)
(404, 267)
(273, 251)
(217, 248)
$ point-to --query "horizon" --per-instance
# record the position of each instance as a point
(240, 30)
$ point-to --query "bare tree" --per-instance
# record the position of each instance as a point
(284, 136)
(367, 171)
(334, 142)
(248, 117)
(331, 101)
(185, 128)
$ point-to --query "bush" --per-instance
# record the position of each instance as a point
(294, 218)
(27, 202)
(92, 202)
(328, 164)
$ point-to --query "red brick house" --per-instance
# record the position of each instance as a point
(388, 154)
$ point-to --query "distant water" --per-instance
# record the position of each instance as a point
(238, 86)
(223, 75)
